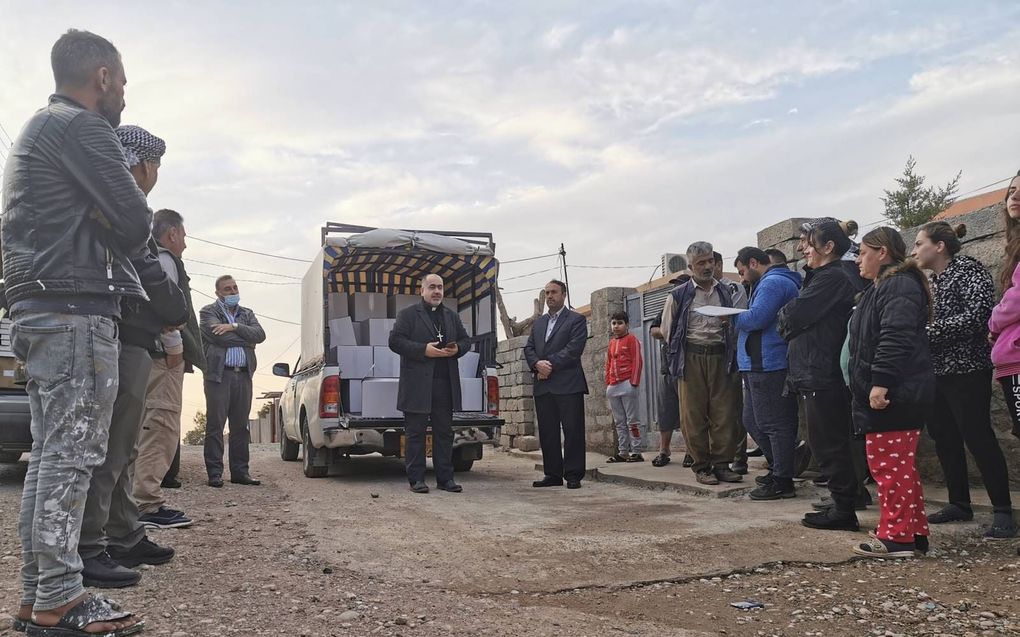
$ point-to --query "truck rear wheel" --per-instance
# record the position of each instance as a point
(311, 471)
(460, 463)
(288, 448)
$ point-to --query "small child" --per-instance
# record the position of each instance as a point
(623, 376)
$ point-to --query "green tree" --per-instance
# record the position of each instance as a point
(913, 203)
(196, 435)
(266, 409)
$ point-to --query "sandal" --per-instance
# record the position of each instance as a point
(616, 458)
(18, 625)
(636, 457)
(92, 609)
(883, 549)
(660, 460)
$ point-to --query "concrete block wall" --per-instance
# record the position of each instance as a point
(516, 401)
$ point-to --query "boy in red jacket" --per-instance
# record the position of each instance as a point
(623, 376)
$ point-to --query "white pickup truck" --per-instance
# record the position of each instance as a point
(341, 397)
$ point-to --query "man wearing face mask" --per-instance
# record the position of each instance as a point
(229, 334)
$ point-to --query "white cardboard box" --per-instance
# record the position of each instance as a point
(472, 397)
(398, 302)
(468, 364)
(376, 331)
(350, 396)
(341, 332)
(387, 363)
(367, 305)
(379, 398)
(338, 305)
(355, 361)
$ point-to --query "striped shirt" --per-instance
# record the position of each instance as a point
(235, 355)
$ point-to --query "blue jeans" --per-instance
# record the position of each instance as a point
(771, 419)
(71, 362)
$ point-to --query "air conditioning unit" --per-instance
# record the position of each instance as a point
(673, 264)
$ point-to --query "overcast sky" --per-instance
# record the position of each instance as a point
(621, 129)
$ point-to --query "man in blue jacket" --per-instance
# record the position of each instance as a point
(769, 416)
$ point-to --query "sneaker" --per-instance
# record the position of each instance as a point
(706, 477)
(831, 520)
(739, 467)
(144, 552)
(165, 519)
(102, 572)
(884, 549)
(951, 513)
(773, 491)
(821, 481)
(170, 483)
(761, 481)
(725, 474)
(1002, 527)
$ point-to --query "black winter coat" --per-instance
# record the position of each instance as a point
(815, 324)
(889, 348)
(412, 331)
(142, 321)
(73, 215)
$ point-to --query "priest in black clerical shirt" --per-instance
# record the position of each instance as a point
(429, 338)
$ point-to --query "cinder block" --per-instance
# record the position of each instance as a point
(506, 441)
(782, 231)
(527, 443)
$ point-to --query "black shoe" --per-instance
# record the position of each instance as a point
(773, 491)
(821, 481)
(245, 479)
(688, 461)
(102, 572)
(861, 503)
(548, 481)
(573, 484)
(951, 513)
(419, 487)
(165, 518)
(726, 475)
(216, 482)
(145, 552)
(831, 520)
(739, 467)
(755, 453)
(170, 483)
(450, 486)
(801, 458)
(766, 479)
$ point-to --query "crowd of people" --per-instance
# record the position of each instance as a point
(104, 324)
(871, 348)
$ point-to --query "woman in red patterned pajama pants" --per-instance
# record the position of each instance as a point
(893, 387)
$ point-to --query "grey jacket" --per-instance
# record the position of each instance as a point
(73, 216)
(247, 335)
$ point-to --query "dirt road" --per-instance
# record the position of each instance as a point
(358, 554)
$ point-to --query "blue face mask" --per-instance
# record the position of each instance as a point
(232, 300)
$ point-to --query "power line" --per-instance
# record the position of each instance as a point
(10, 140)
(230, 267)
(613, 267)
(522, 276)
(280, 355)
(216, 276)
(278, 320)
(264, 254)
(544, 256)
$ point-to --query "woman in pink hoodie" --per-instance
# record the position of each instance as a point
(1004, 326)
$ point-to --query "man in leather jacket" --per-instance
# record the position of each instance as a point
(66, 269)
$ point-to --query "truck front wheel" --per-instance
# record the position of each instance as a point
(288, 448)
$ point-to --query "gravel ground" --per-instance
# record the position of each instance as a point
(357, 554)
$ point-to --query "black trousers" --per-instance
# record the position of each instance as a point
(441, 421)
(229, 399)
(962, 417)
(1011, 392)
(829, 426)
(566, 411)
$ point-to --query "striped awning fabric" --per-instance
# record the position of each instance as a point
(399, 270)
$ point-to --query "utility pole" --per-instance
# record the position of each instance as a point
(566, 279)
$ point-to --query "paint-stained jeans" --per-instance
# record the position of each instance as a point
(71, 361)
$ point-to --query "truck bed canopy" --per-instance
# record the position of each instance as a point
(394, 261)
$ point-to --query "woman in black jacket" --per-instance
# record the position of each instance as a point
(892, 387)
(815, 325)
(963, 296)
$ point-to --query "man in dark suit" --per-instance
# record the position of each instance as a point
(229, 333)
(429, 337)
(553, 353)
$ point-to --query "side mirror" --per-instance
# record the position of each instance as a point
(281, 369)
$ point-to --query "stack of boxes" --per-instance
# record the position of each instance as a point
(359, 329)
